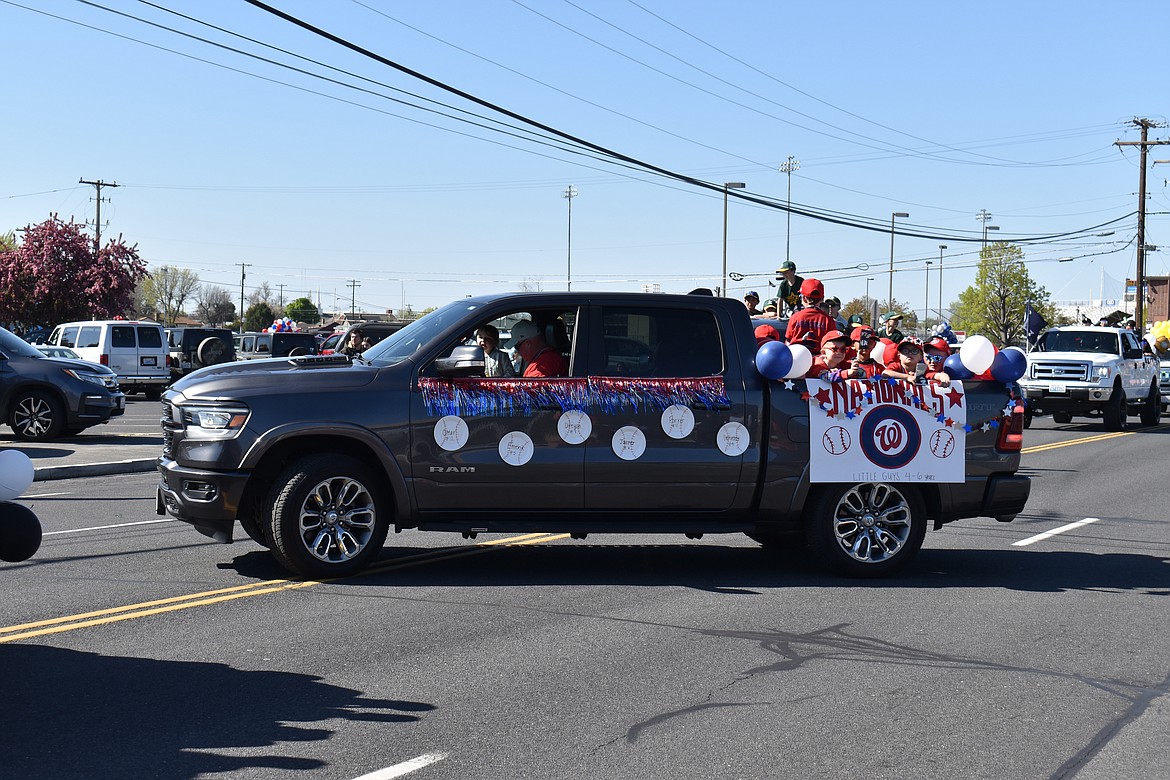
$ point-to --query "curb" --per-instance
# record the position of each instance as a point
(94, 469)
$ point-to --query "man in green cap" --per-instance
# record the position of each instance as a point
(890, 322)
(789, 297)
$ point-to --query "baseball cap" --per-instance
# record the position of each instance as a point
(910, 342)
(787, 265)
(812, 289)
(833, 335)
(752, 294)
(862, 335)
(891, 315)
(939, 343)
(521, 332)
(766, 333)
(833, 301)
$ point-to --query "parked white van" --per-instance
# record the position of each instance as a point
(135, 350)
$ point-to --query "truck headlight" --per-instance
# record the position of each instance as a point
(1101, 372)
(214, 422)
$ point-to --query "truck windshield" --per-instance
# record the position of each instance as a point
(1081, 341)
(400, 345)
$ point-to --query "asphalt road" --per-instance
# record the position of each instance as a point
(133, 647)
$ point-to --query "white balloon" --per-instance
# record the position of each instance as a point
(16, 474)
(977, 353)
(801, 361)
(878, 352)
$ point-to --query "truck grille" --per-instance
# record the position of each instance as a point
(1060, 372)
(169, 426)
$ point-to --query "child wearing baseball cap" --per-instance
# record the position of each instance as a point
(863, 365)
(908, 363)
(935, 352)
(830, 364)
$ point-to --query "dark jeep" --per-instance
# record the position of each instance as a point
(253, 346)
(189, 349)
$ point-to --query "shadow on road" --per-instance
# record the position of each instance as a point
(71, 714)
(738, 569)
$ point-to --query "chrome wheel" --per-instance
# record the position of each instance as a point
(36, 416)
(337, 520)
(872, 522)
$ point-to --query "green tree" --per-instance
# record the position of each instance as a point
(994, 305)
(302, 310)
(54, 275)
(258, 317)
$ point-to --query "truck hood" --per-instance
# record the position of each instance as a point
(1096, 358)
(274, 376)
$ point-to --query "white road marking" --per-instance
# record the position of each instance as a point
(46, 495)
(405, 768)
(1054, 532)
(104, 527)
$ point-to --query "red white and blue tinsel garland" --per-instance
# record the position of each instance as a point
(609, 395)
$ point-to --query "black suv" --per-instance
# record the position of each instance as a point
(189, 349)
(251, 346)
(42, 397)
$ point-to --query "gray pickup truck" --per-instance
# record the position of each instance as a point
(318, 457)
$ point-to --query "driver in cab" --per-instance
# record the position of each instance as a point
(540, 360)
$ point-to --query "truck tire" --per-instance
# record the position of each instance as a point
(867, 529)
(1062, 418)
(36, 416)
(1152, 409)
(210, 352)
(255, 531)
(329, 517)
(153, 393)
(1116, 412)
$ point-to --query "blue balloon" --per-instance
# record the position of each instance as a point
(1009, 365)
(955, 369)
(774, 359)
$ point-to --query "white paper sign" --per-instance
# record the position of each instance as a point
(678, 421)
(515, 448)
(451, 432)
(628, 442)
(574, 427)
(734, 439)
(882, 431)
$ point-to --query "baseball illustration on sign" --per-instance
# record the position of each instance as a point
(574, 427)
(628, 442)
(678, 421)
(451, 432)
(836, 440)
(733, 439)
(942, 443)
(516, 448)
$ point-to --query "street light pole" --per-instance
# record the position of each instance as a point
(727, 185)
(788, 166)
(893, 216)
(941, 247)
(926, 306)
(569, 193)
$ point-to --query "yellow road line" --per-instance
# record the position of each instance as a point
(1084, 440)
(206, 598)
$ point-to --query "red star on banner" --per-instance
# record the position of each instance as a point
(955, 397)
(950, 422)
(823, 395)
(804, 396)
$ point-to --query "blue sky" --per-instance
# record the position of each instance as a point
(935, 109)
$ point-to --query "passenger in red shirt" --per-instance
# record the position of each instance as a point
(934, 352)
(830, 365)
(862, 365)
(540, 360)
(810, 318)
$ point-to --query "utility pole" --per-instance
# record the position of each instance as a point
(282, 286)
(569, 193)
(242, 276)
(353, 284)
(97, 223)
(1139, 298)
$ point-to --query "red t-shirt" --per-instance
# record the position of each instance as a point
(808, 319)
(547, 362)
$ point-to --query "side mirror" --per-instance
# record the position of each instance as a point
(1133, 354)
(464, 360)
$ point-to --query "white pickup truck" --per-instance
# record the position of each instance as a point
(1093, 372)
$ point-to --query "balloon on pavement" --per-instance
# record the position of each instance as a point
(16, 474)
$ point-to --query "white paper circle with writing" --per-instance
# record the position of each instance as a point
(678, 421)
(574, 427)
(451, 432)
(733, 439)
(516, 448)
(629, 442)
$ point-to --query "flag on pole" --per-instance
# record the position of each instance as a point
(1033, 324)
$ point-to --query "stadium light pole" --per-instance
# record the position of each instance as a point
(788, 166)
(727, 185)
(941, 247)
(893, 216)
